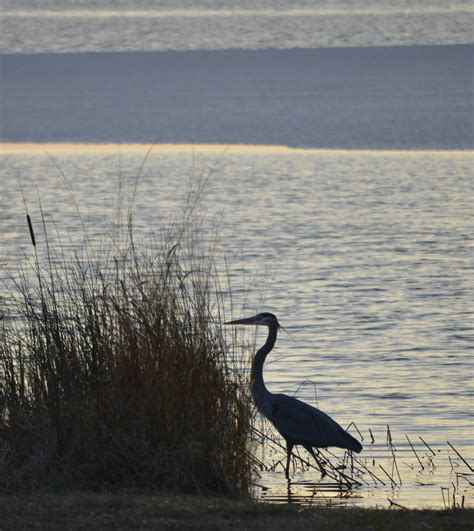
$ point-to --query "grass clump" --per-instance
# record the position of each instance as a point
(114, 372)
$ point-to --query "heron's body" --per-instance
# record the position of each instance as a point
(298, 422)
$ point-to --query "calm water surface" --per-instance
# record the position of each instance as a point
(366, 258)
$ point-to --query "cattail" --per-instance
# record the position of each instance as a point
(32, 234)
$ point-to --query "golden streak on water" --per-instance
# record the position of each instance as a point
(63, 147)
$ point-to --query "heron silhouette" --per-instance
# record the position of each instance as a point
(298, 422)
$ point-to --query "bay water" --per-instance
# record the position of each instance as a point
(364, 256)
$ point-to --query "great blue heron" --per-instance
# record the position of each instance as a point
(298, 422)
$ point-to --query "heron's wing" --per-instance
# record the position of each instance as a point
(304, 424)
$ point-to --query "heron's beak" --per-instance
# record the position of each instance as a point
(247, 321)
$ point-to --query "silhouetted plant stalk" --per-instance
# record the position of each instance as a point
(116, 372)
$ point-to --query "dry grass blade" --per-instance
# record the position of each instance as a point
(414, 451)
(392, 503)
(427, 445)
(461, 457)
(30, 228)
(372, 439)
(387, 474)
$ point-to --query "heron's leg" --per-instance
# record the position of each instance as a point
(289, 448)
(320, 465)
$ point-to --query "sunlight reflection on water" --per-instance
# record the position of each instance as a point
(364, 257)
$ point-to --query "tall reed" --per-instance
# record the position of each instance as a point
(115, 372)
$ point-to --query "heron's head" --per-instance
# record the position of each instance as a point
(265, 319)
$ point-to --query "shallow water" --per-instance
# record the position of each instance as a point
(365, 257)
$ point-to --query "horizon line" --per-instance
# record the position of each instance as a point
(457, 7)
(97, 147)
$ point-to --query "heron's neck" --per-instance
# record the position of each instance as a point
(258, 386)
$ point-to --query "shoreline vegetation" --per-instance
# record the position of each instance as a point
(114, 368)
(135, 510)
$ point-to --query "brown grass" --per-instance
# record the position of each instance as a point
(133, 510)
(115, 372)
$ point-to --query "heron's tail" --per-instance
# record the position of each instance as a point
(352, 444)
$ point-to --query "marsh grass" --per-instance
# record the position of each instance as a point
(115, 372)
